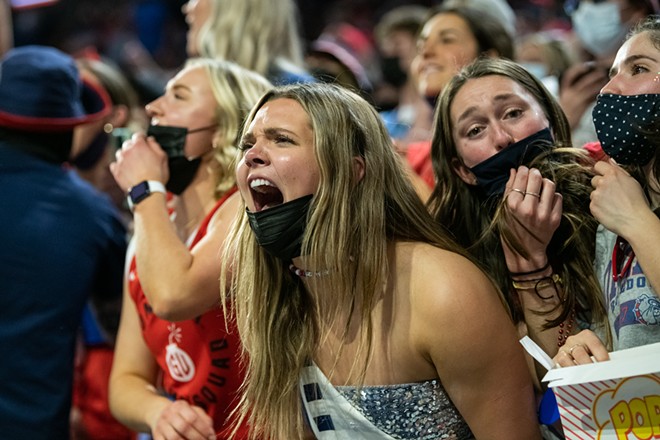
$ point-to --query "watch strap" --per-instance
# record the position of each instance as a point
(143, 190)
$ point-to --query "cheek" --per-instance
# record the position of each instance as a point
(532, 127)
(241, 180)
(653, 86)
(474, 153)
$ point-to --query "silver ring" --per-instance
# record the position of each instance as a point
(570, 350)
(533, 194)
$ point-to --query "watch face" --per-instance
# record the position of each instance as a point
(139, 192)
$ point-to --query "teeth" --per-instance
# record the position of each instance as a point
(260, 182)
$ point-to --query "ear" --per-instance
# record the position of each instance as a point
(358, 168)
(463, 172)
(119, 115)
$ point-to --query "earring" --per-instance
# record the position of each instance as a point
(108, 127)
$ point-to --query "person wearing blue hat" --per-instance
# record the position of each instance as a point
(62, 242)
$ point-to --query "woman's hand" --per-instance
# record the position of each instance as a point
(182, 421)
(536, 211)
(579, 349)
(617, 199)
(140, 158)
(579, 87)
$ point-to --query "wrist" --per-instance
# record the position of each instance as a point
(530, 271)
(142, 190)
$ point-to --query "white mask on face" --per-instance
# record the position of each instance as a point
(599, 27)
(539, 70)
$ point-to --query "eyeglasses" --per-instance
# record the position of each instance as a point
(570, 6)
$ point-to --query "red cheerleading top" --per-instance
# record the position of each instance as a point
(198, 358)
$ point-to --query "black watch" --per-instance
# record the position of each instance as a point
(142, 190)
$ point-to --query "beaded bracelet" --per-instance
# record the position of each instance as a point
(539, 284)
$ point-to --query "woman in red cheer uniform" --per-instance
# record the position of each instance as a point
(180, 379)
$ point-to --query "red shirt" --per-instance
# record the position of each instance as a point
(199, 358)
(418, 155)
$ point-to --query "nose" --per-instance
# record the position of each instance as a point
(153, 108)
(187, 6)
(501, 138)
(256, 156)
(612, 86)
(425, 48)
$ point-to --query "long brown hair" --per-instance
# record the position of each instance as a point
(478, 223)
(350, 223)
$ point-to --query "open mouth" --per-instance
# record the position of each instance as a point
(431, 68)
(265, 194)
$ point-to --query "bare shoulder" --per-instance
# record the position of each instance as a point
(453, 305)
(447, 290)
(441, 274)
(226, 214)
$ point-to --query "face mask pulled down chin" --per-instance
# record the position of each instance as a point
(599, 27)
(493, 173)
(280, 229)
(173, 140)
(626, 127)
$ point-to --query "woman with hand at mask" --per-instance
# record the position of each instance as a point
(357, 314)
(174, 262)
(515, 199)
(625, 199)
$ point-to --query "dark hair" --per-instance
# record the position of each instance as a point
(489, 33)
(478, 223)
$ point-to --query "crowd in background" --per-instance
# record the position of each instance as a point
(173, 82)
(113, 29)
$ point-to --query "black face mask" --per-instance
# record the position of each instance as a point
(493, 173)
(173, 140)
(392, 71)
(279, 230)
(625, 127)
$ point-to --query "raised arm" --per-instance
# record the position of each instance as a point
(473, 344)
(618, 203)
(179, 283)
(536, 211)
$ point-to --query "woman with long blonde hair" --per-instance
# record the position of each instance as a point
(176, 371)
(260, 35)
(348, 298)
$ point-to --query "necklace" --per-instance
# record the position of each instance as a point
(565, 329)
(305, 273)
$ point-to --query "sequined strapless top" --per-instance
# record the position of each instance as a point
(421, 411)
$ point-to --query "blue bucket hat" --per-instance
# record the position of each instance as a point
(41, 90)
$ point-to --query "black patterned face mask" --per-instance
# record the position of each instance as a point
(628, 127)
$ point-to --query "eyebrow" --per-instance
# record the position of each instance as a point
(470, 110)
(272, 131)
(269, 132)
(176, 87)
(249, 137)
(630, 60)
